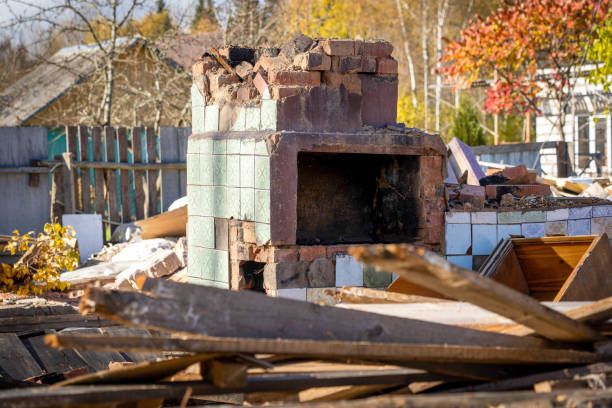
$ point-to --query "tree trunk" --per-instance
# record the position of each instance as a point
(425, 51)
(442, 10)
(408, 53)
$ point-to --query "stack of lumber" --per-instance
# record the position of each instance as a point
(247, 348)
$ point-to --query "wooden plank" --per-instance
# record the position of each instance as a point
(134, 356)
(15, 360)
(591, 278)
(71, 147)
(430, 270)
(509, 272)
(51, 359)
(140, 177)
(365, 351)
(172, 148)
(57, 195)
(96, 360)
(226, 373)
(168, 224)
(70, 199)
(152, 175)
(462, 158)
(85, 181)
(19, 324)
(366, 295)
(346, 392)
(100, 187)
(111, 176)
(124, 176)
(251, 314)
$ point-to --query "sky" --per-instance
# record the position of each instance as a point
(8, 8)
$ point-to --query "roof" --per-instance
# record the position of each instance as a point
(68, 67)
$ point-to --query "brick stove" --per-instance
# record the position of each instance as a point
(295, 157)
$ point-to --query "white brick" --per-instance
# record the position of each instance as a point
(533, 229)
(580, 212)
(557, 215)
(464, 261)
(504, 231)
(579, 227)
(484, 217)
(458, 217)
(293, 293)
(349, 272)
(458, 238)
(484, 239)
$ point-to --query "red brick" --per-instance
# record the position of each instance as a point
(496, 191)
(220, 80)
(313, 61)
(431, 162)
(283, 254)
(298, 78)
(368, 65)
(246, 93)
(359, 48)
(431, 176)
(269, 64)
(349, 64)
(260, 83)
(332, 251)
(379, 48)
(386, 66)
(351, 82)
(434, 219)
(203, 65)
(475, 195)
(338, 47)
(514, 172)
(435, 205)
(280, 92)
(310, 253)
(432, 235)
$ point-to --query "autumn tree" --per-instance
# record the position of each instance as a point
(155, 24)
(532, 49)
(205, 18)
(600, 53)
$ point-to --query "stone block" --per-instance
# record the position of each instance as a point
(580, 212)
(557, 215)
(284, 275)
(533, 229)
(457, 217)
(464, 261)
(556, 227)
(458, 239)
(602, 211)
(601, 224)
(349, 272)
(509, 217)
(373, 278)
(296, 45)
(484, 217)
(310, 253)
(504, 231)
(379, 100)
(579, 227)
(322, 296)
(484, 239)
(313, 61)
(377, 48)
(295, 78)
(295, 294)
(321, 273)
(338, 47)
(244, 70)
(387, 66)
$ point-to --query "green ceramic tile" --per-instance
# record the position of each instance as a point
(247, 146)
(533, 216)
(219, 202)
(375, 279)
(205, 146)
(202, 231)
(240, 122)
(268, 115)
(220, 285)
(252, 118)
(193, 169)
(233, 146)
(221, 266)
(262, 206)
(206, 201)
(197, 281)
(247, 204)
(193, 145)
(219, 146)
(193, 200)
(198, 122)
(262, 172)
(262, 233)
(212, 118)
(509, 217)
(196, 97)
(247, 171)
(233, 203)
(208, 259)
(219, 170)
(206, 169)
(260, 148)
(233, 170)
(194, 264)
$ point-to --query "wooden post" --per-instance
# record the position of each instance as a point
(111, 176)
(69, 184)
(151, 193)
(85, 182)
(124, 176)
(57, 193)
(71, 147)
(562, 159)
(140, 177)
(100, 187)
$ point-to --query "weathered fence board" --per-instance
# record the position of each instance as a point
(152, 174)
(124, 176)
(173, 148)
(22, 205)
(111, 176)
(140, 177)
(100, 184)
(84, 173)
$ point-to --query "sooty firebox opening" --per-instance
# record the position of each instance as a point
(356, 198)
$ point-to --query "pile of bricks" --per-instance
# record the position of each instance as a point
(323, 84)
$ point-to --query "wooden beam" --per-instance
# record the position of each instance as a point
(396, 352)
(29, 323)
(124, 176)
(357, 295)
(99, 188)
(85, 181)
(252, 314)
(115, 166)
(428, 269)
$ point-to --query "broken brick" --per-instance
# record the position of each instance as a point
(368, 65)
(281, 92)
(313, 61)
(236, 54)
(310, 253)
(431, 162)
(338, 47)
(299, 43)
(359, 48)
(349, 64)
(283, 254)
(269, 64)
(386, 66)
(244, 69)
(246, 93)
(475, 195)
(220, 80)
(351, 82)
(514, 172)
(497, 191)
(299, 78)
(378, 48)
(260, 83)
(203, 65)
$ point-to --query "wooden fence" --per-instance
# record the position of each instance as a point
(116, 172)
